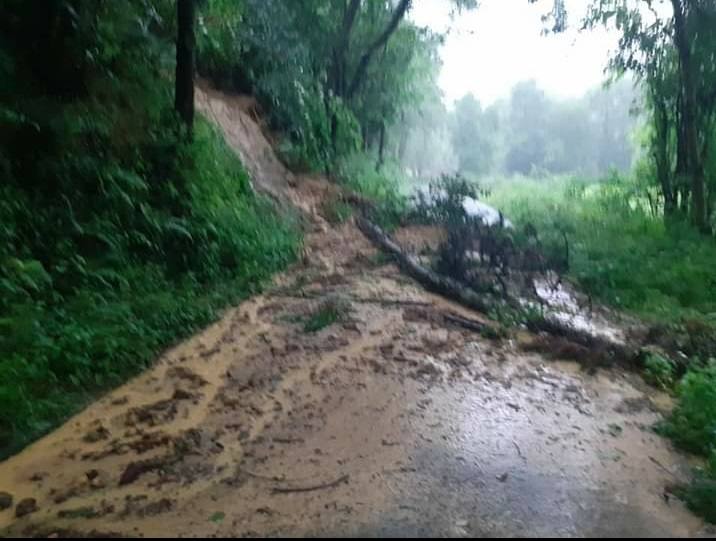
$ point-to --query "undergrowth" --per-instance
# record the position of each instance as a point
(623, 256)
(329, 312)
(80, 321)
(386, 187)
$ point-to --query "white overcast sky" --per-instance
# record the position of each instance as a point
(490, 49)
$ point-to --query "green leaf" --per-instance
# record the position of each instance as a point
(218, 517)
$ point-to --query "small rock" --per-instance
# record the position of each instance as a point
(181, 394)
(265, 511)
(26, 507)
(351, 326)
(96, 434)
(615, 430)
(387, 443)
(97, 479)
(6, 501)
(503, 478)
(436, 339)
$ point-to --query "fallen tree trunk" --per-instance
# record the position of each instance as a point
(427, 278)
(604, 350)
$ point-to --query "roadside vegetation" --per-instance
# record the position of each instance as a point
(625, 255)
(118, 235)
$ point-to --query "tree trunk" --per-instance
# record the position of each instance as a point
(382, 40)
(603, 348)
(184, 82)
(661, 156)
(693, 163)
(381, 148)
(340, 51)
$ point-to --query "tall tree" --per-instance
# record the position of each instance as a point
(185, 45)
(660, 49)
(693, 162)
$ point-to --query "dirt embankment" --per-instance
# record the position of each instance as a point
(394, 420)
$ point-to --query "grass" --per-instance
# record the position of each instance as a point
(625, 257)
(337, 212)
(329, 312)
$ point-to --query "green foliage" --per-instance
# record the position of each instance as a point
(329, 312)
(659, 371)
(337, 211)
(692, 425)
(385, 187)
(104, 317)
(700, 496)
(306, 67)
(620, 253)
(473, 136)
(117, 236)
(670, 52)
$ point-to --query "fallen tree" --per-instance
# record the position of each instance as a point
(594, 350)
(427, 278)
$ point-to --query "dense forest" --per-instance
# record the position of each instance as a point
(127, 223)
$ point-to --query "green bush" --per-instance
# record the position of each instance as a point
(659, 371)
(385, 187)
(692, 425)
(700, 496)
(329, 312)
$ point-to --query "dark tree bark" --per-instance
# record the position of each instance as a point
(184, 82)
(693, 162)
(603, 349)
(381, 148)
(661, 155)
(340, 52)
(380, 42)
(337, 78)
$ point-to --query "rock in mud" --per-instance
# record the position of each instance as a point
(156, 508)
(98, 433)
(6, 501)
(26, 507)
(136, 469)
(181, 394)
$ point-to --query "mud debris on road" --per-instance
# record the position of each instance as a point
(391, 421)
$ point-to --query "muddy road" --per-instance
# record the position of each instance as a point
(389, 422)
